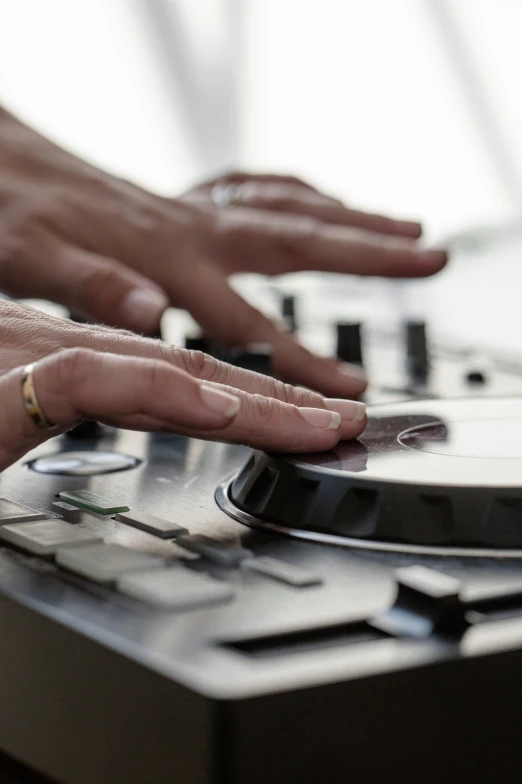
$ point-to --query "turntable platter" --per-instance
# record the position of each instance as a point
(438, 472)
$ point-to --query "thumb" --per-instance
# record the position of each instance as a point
(98, 287)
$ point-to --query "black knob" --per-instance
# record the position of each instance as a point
(78, 318)
(476, 377)
(288, 311)
(256, 357)
(417, 354)
(349, 342)
(197, 341)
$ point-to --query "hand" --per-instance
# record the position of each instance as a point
(131, 382)
(109, 249)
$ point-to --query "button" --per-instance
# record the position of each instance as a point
(255, 356)
(46, 536)
(11, 512)
(282, 572)
(152, 524)
(220, 554)
(427, 602)
(84, 499)
(106, 562)
(175, 589)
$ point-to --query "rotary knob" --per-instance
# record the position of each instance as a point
(349, 342)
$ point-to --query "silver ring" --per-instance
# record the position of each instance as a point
(226, 194)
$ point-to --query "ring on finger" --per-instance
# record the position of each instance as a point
(30, 399)
(226, 194)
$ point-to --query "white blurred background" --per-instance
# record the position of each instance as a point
(409, 107)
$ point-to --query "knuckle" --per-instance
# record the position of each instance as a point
(298, 396)
(15, 246)
(305, 227)
(148, 216)
(194, 363)
(296, 239)
(262, 411)
(153, 371)
(71, 366)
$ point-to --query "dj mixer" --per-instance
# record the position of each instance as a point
(174, 611)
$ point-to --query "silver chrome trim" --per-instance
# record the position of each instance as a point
(226, 505)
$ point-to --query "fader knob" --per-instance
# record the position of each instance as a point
(256, 357)
(197, 341)
(288, 311)
(349, 342)
(417, 354)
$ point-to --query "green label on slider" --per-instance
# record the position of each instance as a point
(83, 499)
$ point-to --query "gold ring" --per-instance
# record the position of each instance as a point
(31, 401)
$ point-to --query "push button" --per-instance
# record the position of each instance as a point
(152, 524)
(105, 563)
(282, 572)
(175, 589)
(46, 536)
(11, 512)
(218, 553)
(93, 502)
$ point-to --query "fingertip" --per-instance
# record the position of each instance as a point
(351, 429)
(321, 417)
(349, 410)
(431, 261)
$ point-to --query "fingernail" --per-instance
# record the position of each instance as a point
(433, 257)
(348, 409)
(219, 401)
(321, 417)
(143, 308)
(353, 371)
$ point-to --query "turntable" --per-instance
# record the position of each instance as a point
(435, 477)
(349, 616)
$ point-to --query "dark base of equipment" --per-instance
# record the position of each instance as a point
(11, 772)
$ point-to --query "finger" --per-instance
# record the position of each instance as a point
(232, 321)
(98, 287)
(206, 368)
(253, 240)
(267, 423)
(286, 196)
(78, 383)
